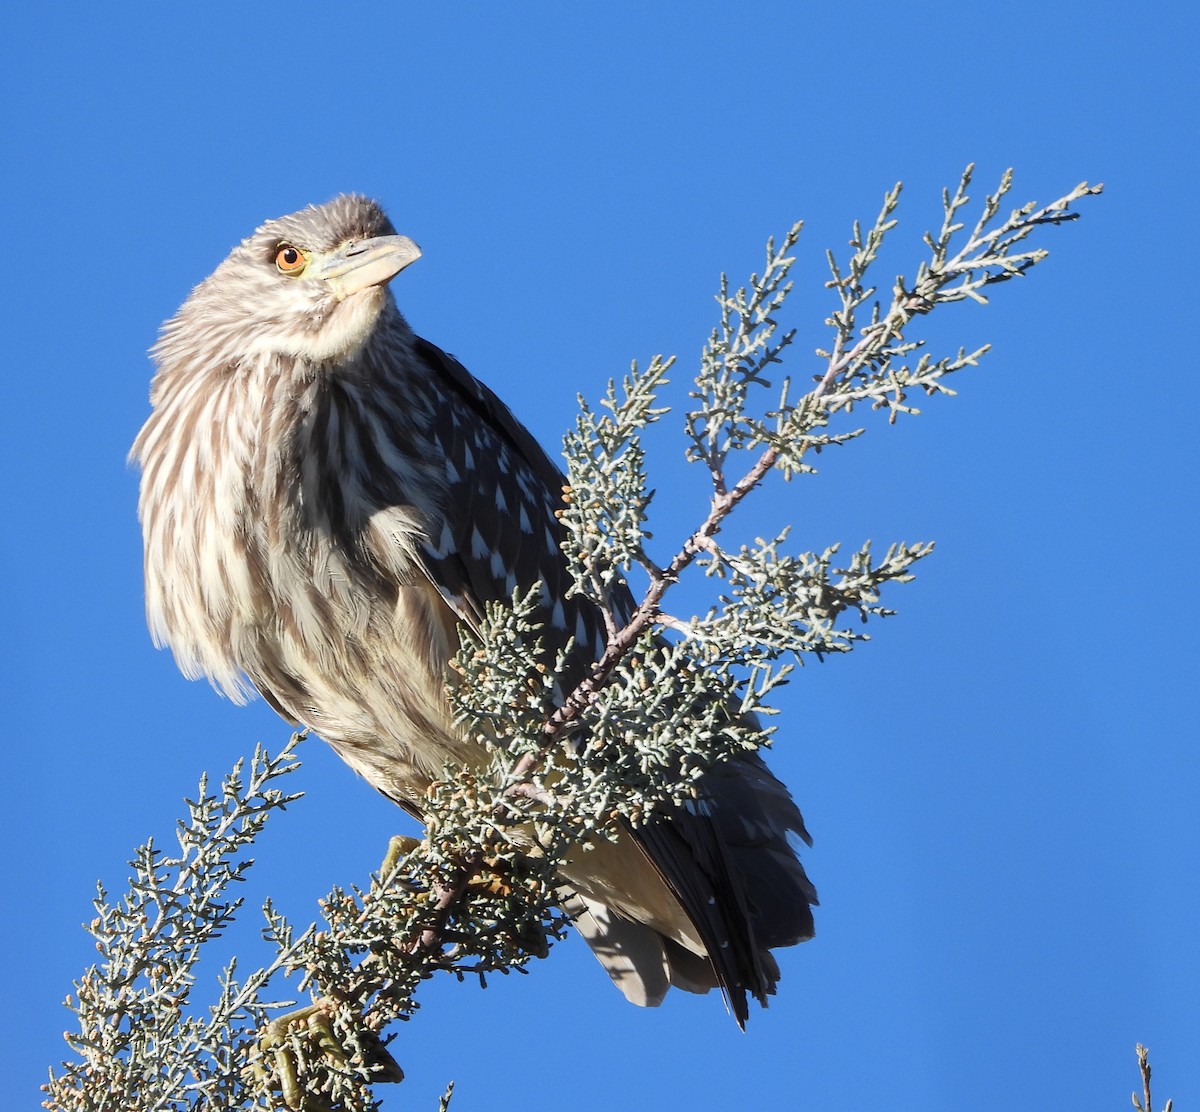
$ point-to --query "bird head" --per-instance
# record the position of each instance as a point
(310, 286)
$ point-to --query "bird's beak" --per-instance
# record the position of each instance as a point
(364, 263)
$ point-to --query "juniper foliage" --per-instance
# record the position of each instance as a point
(477, 896)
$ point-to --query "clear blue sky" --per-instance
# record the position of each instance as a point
(1003, 785)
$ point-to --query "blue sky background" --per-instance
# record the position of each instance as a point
(1003, 785)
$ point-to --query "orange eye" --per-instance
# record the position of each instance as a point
(290, 260)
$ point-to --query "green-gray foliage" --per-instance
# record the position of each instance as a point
(668, 698)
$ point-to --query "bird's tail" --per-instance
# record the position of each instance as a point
(729, 889)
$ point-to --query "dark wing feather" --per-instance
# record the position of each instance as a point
(500, 531)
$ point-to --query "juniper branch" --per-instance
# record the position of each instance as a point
(478, 895)
(139, 1049)
(743, 347)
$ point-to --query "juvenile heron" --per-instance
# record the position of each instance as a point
(325, 496)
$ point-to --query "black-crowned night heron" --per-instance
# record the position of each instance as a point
(325, 496)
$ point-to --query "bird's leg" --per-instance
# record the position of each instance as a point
(282, 1046)
(399, 846)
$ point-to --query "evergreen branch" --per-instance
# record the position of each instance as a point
(138, 1048)
(606, 538)
(479, 895)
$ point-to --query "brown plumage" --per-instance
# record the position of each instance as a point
(325, 496)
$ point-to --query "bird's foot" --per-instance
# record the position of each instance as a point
(296, 1040)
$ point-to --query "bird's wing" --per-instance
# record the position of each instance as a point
(500, 532)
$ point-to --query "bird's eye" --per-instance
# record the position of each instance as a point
(290, 260)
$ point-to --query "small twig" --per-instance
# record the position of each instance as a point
(1145, 1105)
(448, 896)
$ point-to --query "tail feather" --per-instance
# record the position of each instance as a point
(734, 890)
(632, 954)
